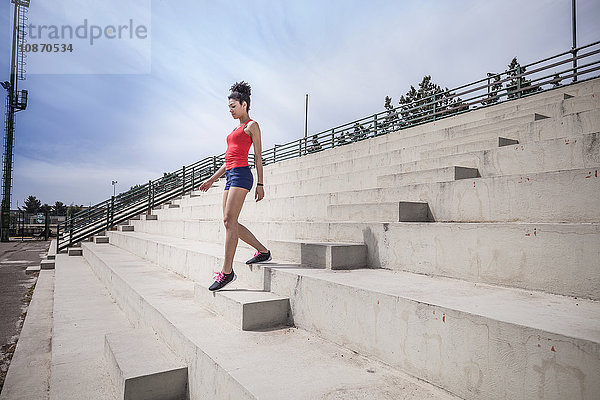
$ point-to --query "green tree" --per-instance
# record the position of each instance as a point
(519, 86)
(32, 204)
(45, 208)
(60, 208)
(392, 120)
(420, 105)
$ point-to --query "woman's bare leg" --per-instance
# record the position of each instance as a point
(249, 238)
(232, 202)
(243, 232)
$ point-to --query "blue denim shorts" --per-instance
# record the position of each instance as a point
(239, 177)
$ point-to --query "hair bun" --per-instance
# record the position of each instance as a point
(241, 87)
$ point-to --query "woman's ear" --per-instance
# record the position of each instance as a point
(245, 105)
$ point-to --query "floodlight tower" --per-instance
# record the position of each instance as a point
(15, 101)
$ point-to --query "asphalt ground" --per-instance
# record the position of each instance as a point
(15, 292)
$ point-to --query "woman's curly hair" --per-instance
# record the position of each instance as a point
(241, 91)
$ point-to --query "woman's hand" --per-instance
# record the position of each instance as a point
(259, 193)
(206, 185)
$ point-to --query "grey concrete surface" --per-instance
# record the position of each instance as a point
(29, 374)
(228, 363)
(83, 314)
(142, 367)
(15, 258)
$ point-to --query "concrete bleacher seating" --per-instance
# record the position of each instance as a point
(454, 259)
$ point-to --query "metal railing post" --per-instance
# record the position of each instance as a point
(71, 232)
(434, 106)
(183, 184)
(332, 138)
(112, 210)
(57, 235)
(46, 225)
(107, 216)
(375, 124)
(149, 197)
(518, 81)
(275, 154)
(193, 179)
(214, 164)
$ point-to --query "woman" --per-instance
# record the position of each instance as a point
(239, 183)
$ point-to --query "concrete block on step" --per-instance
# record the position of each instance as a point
(73, 251)
(506, 142)
(32, 269)
(410, 211)
(141, 367)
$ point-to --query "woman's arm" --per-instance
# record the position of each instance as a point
(254, 131)
(209, 182)
(219, 173)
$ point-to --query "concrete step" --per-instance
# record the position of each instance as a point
(336, 256)
(412, 148)
(555, 107)
(125, 228)
(33, 269)
(476, 116)
(100, 239)
(566, 153)
(529, 256)
(149, 217)
(484, 320)
(83, 314)
(362, 179)
(447, 174)
(29, 374)
(223, 359)
(575, 124)
(198, 260)
(469, 339)
(537, 197)
(74, 251)
(141, 367)
(403, 211)
(191, 259)
(428, 134)
(52, 250)
(246, 308)
(582, 123)
(478, 145)
(561, 196)
(50, 264)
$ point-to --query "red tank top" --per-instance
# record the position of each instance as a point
(238, 146)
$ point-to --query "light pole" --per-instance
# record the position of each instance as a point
(305, 123)
(16, 101)
(114, 183)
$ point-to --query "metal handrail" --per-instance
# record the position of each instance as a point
(496, 88)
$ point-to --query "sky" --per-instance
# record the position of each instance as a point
(130, 109)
